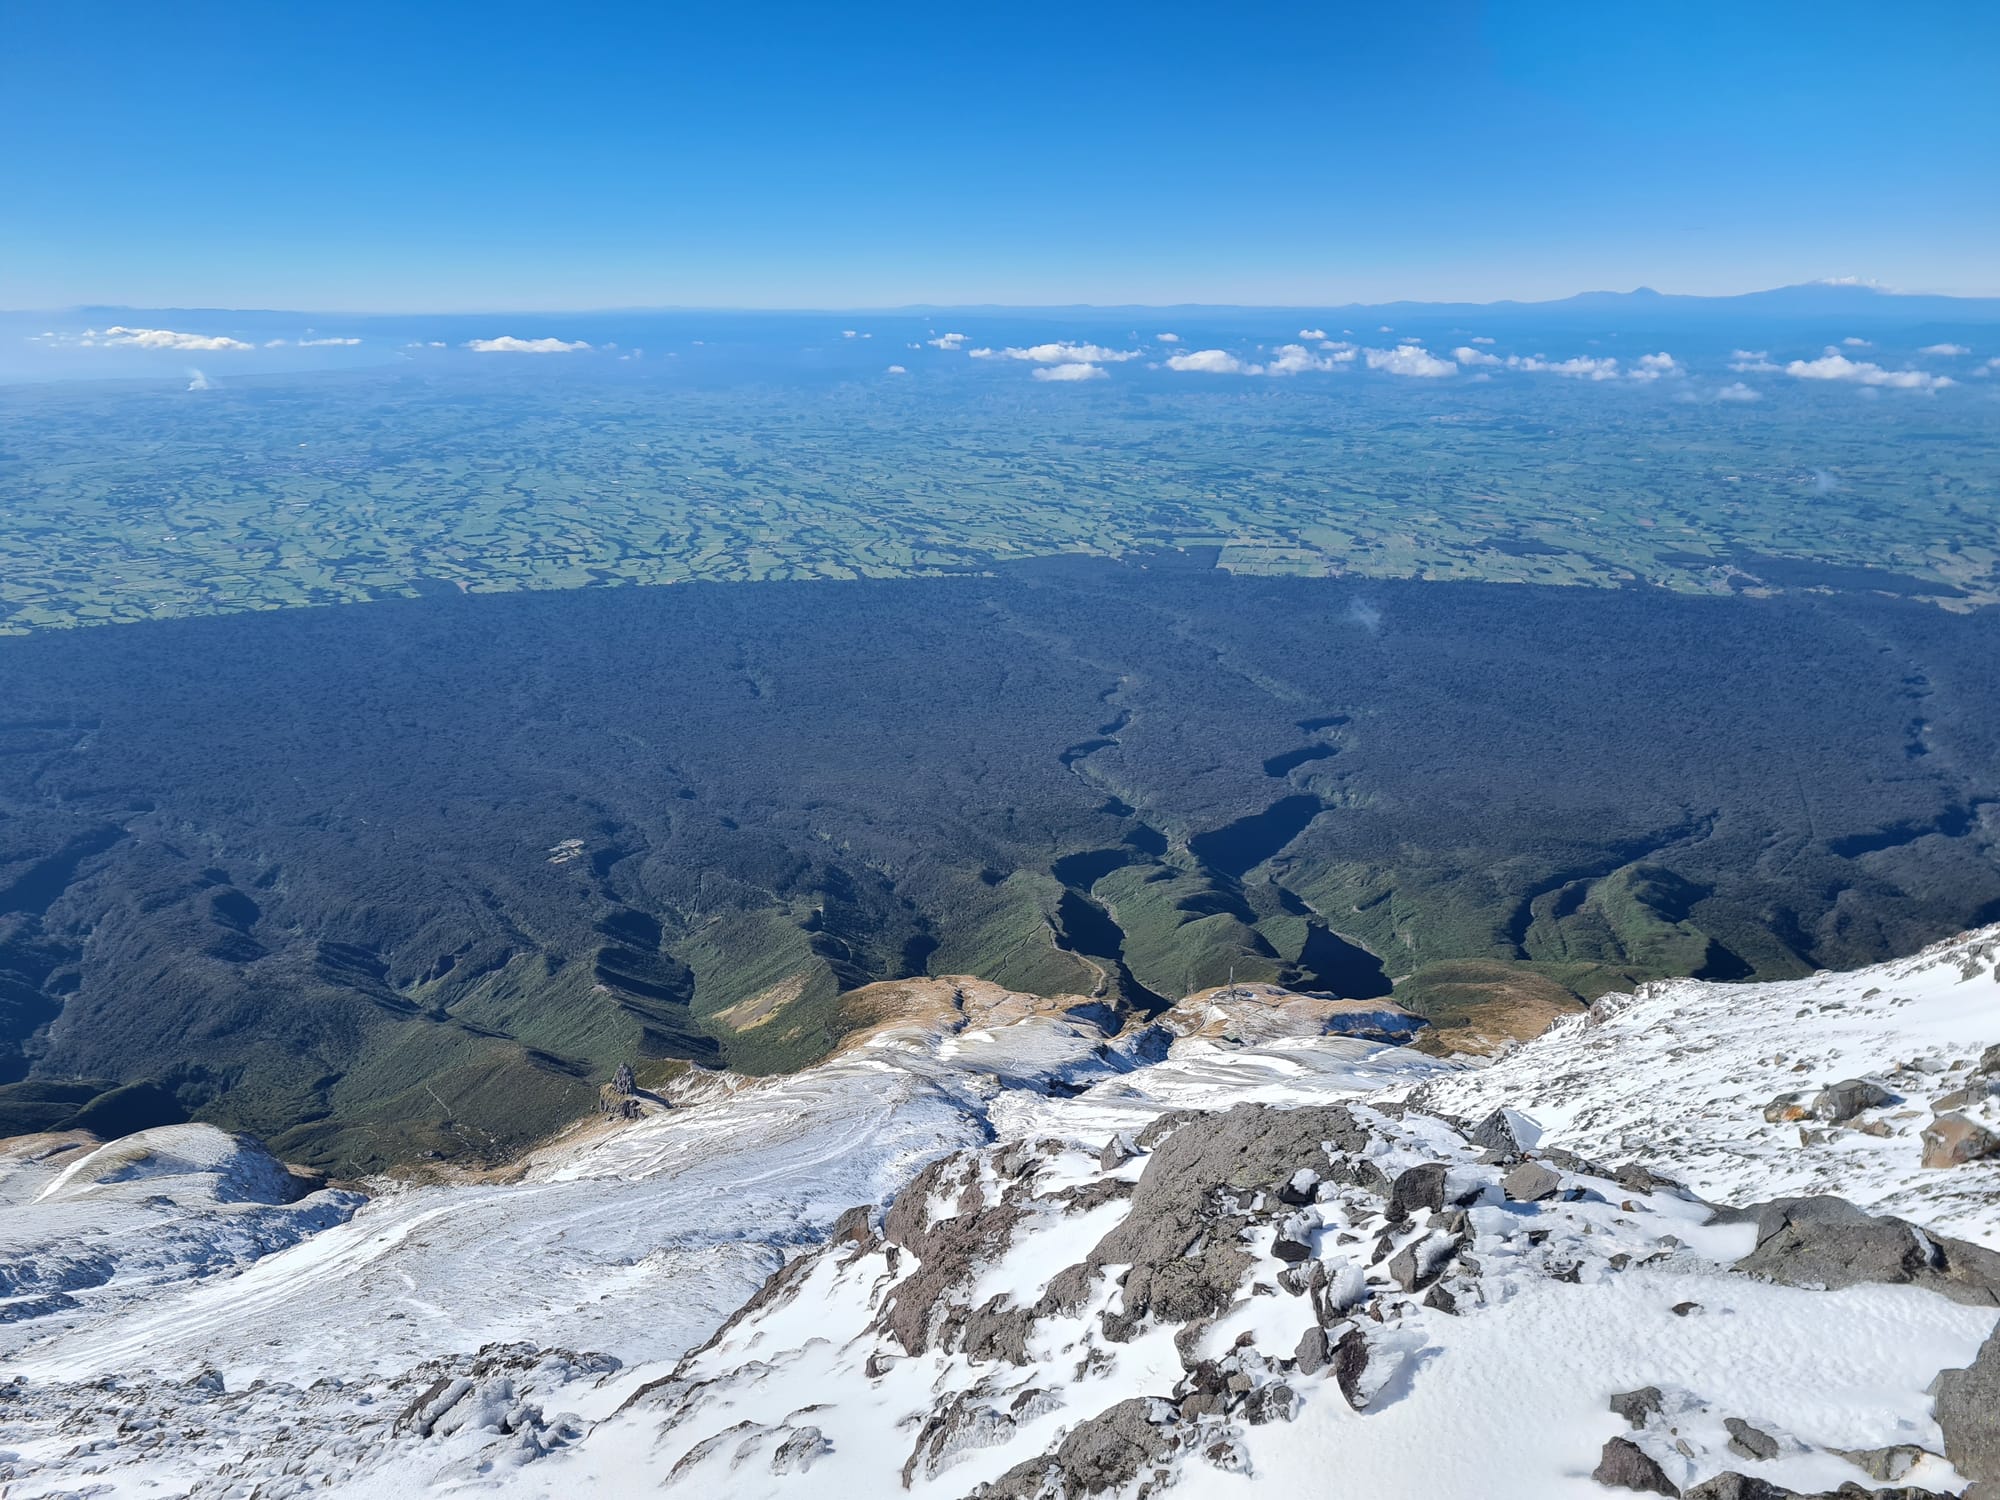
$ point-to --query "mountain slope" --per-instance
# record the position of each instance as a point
(1233, 1249)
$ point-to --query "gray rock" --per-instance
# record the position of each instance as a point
(1294, 1239)
(800, 1450)
(1744, 1487)
(1117, 1151)
(1624, 1465)
(1968, 1409)
(1350, 1363)
(947, 1252)
(1750, 1442)
(1496, 1133)
(1738, 1487)
(1640, 1406)
(1104, 1453)
(1828, 1242)
(1635, 1178)
(1886, 1464)
(1421, 1186)
(1313, 1352)
(1422, 1261)
(1531, 1182)
(1274, 1401)
(1989, 1062)
(1182, 1243)
(1299, 1189)
(1848, 1098)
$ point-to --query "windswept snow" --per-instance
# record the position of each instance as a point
(1682, 1072)
(533, 1337)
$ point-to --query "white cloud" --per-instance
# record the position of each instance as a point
(1312, 333)
(1168, 338)
(198, 381)
(508, 344)
(1944, 349)
(1070, 372)
(1296, 359)
(946, 341)
(1753, 362)
(1059, 354)
(897, 370)
(322, 343)
(1286, 359)
(1408, 359)
(1481, 339)
(1738, 391)
(1583, 367)
(421, 344)
(1854, 343)
(1653, 366)
(1469, 356)
(162, 338)
(1861, 372)
(1207, 362)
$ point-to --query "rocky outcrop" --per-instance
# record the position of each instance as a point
(1105, 1453)
(1968, 1411)
(1186, 1257)
(1624, 1465)
(1828, 1242)
(1732, 1486)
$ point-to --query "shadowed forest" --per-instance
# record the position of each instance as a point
(411, 877)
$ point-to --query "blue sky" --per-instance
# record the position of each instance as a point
(428, 157)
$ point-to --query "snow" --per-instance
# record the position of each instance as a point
(1680, 1073)
(620, 1250)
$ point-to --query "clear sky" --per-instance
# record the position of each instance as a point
(432, 156)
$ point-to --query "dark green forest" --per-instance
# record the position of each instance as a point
(411, 877)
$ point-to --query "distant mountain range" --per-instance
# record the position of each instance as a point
(1808, 300)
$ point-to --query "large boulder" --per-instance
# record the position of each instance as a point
(1507, 1132)
(1828, 1242)
(1531, 1182)
(1422, 1186)
(1968, 1410)
(1952, 1140)
(1851, 1096)
(1624, 1465)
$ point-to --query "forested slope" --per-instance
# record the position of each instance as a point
(413, 876)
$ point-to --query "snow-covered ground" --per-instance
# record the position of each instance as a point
(1682, 1072)
(587, 1281)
